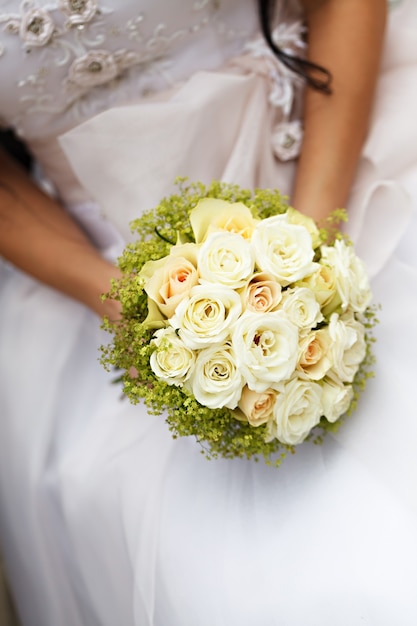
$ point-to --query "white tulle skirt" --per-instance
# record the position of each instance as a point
(105, 519)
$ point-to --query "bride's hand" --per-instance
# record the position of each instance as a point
(345, 37)
(40, 238)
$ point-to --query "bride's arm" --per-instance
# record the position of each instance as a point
(345, 37)
(40, 238)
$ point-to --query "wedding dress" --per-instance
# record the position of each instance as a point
(104, 518)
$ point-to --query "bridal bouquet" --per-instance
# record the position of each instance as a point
(246, 324)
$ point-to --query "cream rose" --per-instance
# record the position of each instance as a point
(323, 284)
(266, 348)
(207, 315)
(348, 347)
(172, 361)
(314, 354)
(258, 408)
(227, 259)
(283, 250)
(170, 279)
(216, 380)
(336, 399)
(301, 307)
(261, 294)
(212, 214)
(297, 410)
(352, 281)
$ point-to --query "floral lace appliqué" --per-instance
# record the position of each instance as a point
(79, 11)
(72, 35)
(36, 26)
(287, 135)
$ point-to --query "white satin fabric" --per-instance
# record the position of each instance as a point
(104, 518)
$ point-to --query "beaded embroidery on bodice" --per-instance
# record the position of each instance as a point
(62, 61)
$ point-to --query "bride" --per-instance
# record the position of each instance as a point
(104, 518)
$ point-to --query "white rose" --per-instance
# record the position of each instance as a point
(295, 217)
(257, 407)
(336, 399)
(262, 293)
(172, 361)
(302, 308)
(283, 250)
(314, 354)
(207, 315)
(297, 410)
(216, 380)
(266, 348)
(348, 347)
(352, 281)
(227, 259)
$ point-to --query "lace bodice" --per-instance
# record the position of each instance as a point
(62, 61)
